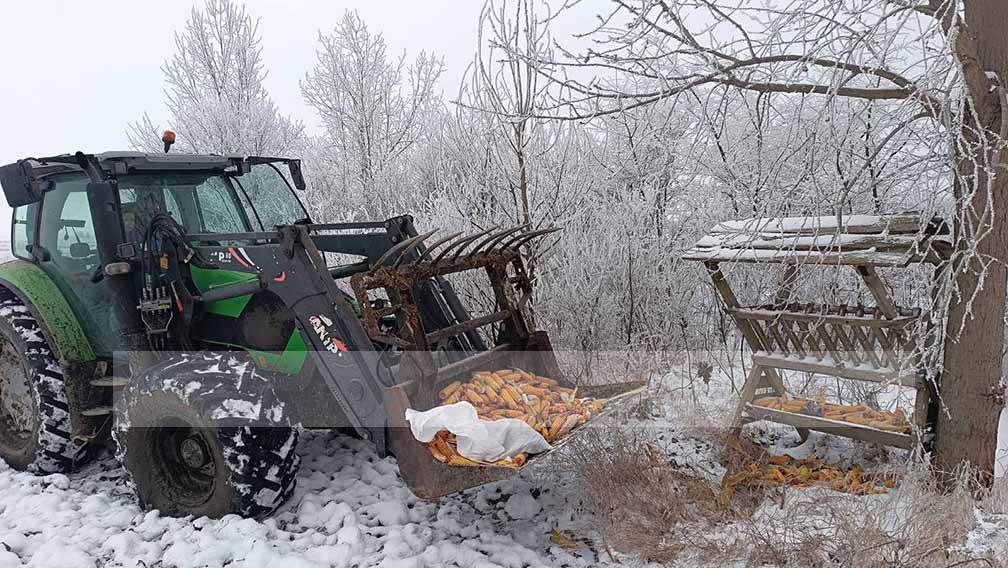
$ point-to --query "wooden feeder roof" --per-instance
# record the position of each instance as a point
(854, 240)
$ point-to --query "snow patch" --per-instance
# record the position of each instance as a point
(234, 408)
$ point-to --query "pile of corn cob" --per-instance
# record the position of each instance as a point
(785, 470)
(540, 402)
(854, 414)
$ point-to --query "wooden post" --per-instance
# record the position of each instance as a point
(752, 382)
(728, 297)
(786, 286)
(878, 290)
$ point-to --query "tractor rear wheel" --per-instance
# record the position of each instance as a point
(205, 434)
(35, 429)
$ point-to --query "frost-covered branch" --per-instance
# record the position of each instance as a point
(214, 90)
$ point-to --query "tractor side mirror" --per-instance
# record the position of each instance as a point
(20, 187)
(80, 250)
(296, 175)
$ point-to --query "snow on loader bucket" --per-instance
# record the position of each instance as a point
(424, 370)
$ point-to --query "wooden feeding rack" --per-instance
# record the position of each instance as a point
(859, 343)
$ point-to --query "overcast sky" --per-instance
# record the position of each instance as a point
(74, 82)
(75, 73)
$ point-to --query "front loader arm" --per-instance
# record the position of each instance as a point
(293, 269)
(374, 371)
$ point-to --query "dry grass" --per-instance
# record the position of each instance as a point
(647, 507)
(644, 505)
(996, 500)
(915, 526)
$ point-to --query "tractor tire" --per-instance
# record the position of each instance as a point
(35, 425)
(205, 435)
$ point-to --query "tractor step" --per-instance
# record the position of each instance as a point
(97, 411)
(112, 382)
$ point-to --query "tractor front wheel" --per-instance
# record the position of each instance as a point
(205, 434)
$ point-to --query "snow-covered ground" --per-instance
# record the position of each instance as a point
(351, 508)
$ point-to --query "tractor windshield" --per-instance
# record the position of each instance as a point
(270, 196)
(210, 202)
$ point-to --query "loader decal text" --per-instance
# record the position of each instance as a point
(321, 326)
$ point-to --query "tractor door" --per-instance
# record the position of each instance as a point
(66, 250)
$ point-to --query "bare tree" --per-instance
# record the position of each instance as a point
(971, 387)
(506, 82)
(932, 76)
(215, 93)
(374, 108)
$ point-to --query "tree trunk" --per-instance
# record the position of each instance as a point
(971, 389)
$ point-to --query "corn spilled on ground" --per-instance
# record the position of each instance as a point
(854, 414)
(540, 402)
(784, 470)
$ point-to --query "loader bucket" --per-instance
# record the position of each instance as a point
(430, 479)
(441, 341)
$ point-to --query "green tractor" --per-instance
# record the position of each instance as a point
(187, 308)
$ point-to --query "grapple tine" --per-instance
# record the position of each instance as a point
(460, 242)
(489, 242)
(462, 248)
(414, 243)
(396, 249)
(526, 237)
(438, 243)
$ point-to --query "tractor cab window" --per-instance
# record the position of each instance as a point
(23, 230)
(269, 198)
(67, 234)
(68, 253)
(199, 202)
(219, 207)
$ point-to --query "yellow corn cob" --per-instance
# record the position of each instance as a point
(456, 459)
(568, 425)
(442, 446)
(438, 455)
(555, 425)
(535, 391)
(449, 390)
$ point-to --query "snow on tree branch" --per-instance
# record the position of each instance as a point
(214, 90)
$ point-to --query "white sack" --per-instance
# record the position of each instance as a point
(478, 440)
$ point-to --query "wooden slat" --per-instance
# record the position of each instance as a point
(811, 339)
(820, 424)
(829, 344)
(760, 314)
(799, 349)
(824, 368)
(765, 339)
(848, 345)
(889, 357)
(898, 223)
(853, 258)
(866, 343)
(773, 327)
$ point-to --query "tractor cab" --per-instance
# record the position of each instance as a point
(203, 194)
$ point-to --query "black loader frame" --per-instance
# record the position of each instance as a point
(434, 337)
